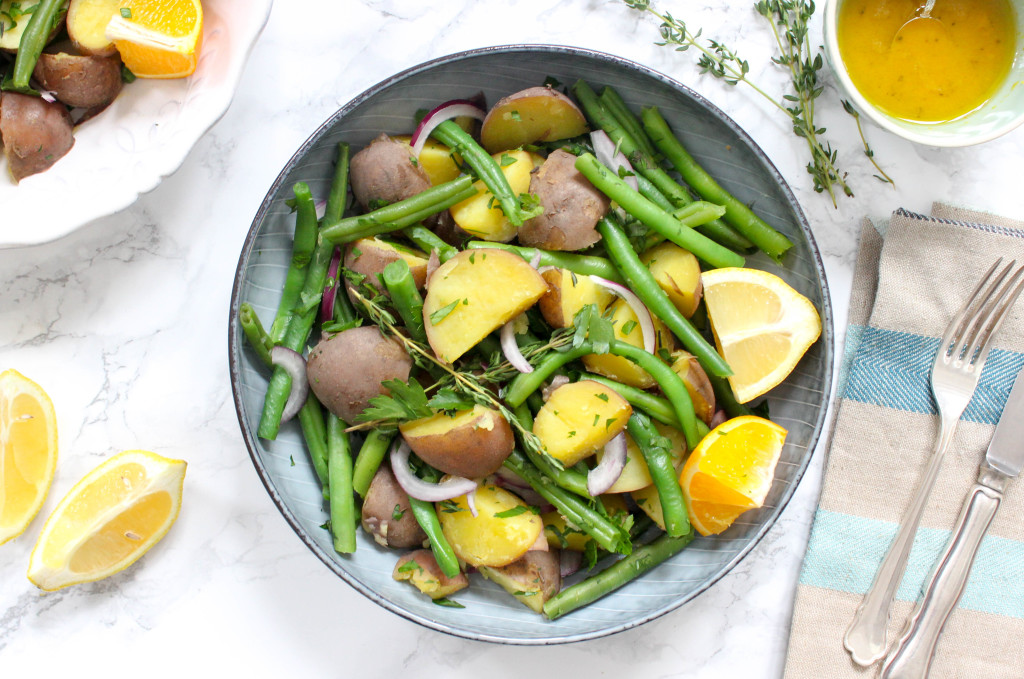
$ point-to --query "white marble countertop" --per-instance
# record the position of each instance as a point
(124, 322)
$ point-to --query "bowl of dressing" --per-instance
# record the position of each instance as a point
(946, 75)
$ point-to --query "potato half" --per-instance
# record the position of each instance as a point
(474, 293)
(569, 292)
(677, 272)
(502, 531)
(579, 418)
(481, 216)
(471, 443)
(531, 115)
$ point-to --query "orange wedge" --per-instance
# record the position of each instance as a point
(28, 451)
(108, 520)
(158, 38)
(730, 471)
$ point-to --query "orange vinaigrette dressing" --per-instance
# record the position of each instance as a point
(932, 71)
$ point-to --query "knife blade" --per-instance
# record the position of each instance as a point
(911, 657)
(1006, 450)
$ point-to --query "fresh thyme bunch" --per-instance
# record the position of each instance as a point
(789, 20)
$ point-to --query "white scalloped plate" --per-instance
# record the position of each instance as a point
(141, 138)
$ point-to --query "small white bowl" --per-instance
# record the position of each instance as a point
(1000, 114)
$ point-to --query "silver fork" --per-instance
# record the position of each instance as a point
(954, 377)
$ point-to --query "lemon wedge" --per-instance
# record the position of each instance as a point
(762, 327)
(108, 520)
(28, 451)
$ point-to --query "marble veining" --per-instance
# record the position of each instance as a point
(124, 323)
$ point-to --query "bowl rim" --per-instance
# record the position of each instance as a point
(883, 120)
(236, 341)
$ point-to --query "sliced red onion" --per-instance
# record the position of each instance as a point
(416, 487)
(507, 478)
(718, 418)
(331, 289)
(456, 108)
(321, 208)
(510, 348)
(535, 261)
(47, 96)
(611, 157)
(556, 382)
(643, 315)
(604, 475)
(294, 364)
(569, 561)
(471, 502)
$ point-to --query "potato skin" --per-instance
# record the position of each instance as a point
(572, 206)
(384, 171)
(36, 133)
(346, 370)
(369, 256)
(78, 80)
(473, 445)
(528, 116)
(385, 500)
(533, 578)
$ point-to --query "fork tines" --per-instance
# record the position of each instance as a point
(968, 336)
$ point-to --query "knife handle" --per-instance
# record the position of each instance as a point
(912, 656)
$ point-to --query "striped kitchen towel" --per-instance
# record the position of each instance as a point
(906, 288)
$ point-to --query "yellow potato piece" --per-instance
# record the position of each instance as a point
(439, 162)
(568, 293)
(578, 419)
(677, 272)
(481, 216)
(501, 532)
(474, 293)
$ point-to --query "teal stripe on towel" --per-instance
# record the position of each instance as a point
(845, 551)
(892, 368)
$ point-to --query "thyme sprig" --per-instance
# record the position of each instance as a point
(789, 20)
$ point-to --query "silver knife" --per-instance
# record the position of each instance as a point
(912, 656)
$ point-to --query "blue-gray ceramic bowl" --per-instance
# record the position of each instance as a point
(724, 149)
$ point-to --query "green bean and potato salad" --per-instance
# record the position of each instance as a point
(488, 372)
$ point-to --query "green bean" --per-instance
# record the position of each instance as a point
(575, 509)
(614, 104)
(762, 234)
(341, 500)
(295, 336)
(311, 417)
(426, 516)
(41, 25)
(584, 265)
(654, 217)
(254, 332)
(658, 457)
(302, 250)
(716, 229)
(337, 198)
(524, 384)
(487, 168)
(371, 454)
(641, 281)
(621, 572)
(696, 215)
(726, 399)
(406, 298)
(644, 165)
(428, 241)
(400, 214)
(569, 479)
